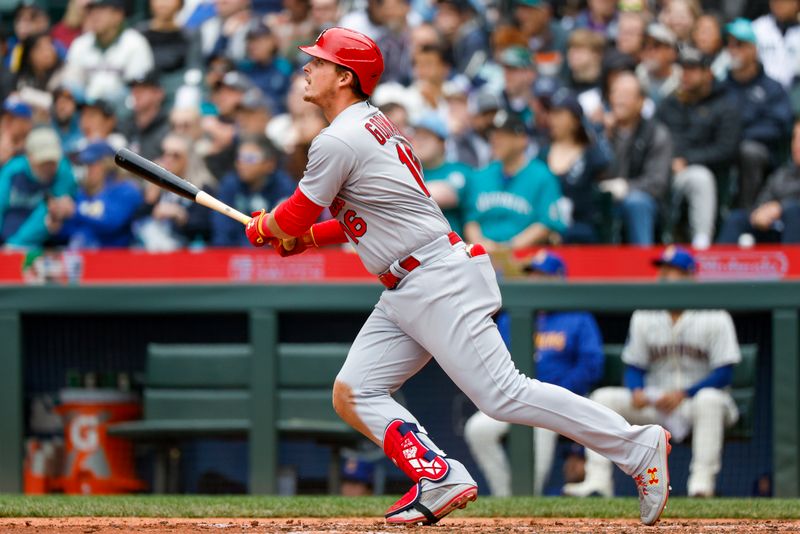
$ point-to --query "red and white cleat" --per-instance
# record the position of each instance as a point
(429, 506)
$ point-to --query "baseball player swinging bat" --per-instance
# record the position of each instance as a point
(155, 174)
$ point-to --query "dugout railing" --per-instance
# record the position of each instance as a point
(263, 306)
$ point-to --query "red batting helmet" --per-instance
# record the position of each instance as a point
(350, 49)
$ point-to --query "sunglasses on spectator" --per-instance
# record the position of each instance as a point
(173, 154)
(180, 125)
(248, 157)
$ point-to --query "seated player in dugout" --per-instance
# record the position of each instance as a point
(569, 353)
(439, 300)
(678, 366)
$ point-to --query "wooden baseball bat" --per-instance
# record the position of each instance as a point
(155, 174)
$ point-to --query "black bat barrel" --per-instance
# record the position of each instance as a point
(144, 168)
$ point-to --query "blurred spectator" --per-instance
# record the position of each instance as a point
(253, 113)
(293, 131)
(534, 18)
(630, 39)
(600, 16)
(680, 16)
(778, 38)
(426, 94)
(270, 72)
(221, 129)
(444, 179)
(659, 74)
(65, 116)
(519, 74)
(216, 69)
(579, 162)
(640, 171)
(101, 214)
(98, 122)
(325, 14)
(543, 90)
(27, 183)
(149, 123)
(395, 42)
(707, 37)
(514, 201)
(186, 121)
(357, 477)
(764, 107)
(30, 18)
(569, 353)
(174, 222)
(16, 122)
(705, 127)
(224, 34)
(471, 145)
(175, 50)
(777, 213)
(104, 58)
(425, 34)
(194, 13)
(678, 364)
(292, 26)
(367, 21)
(584, 59)
(256, 184)
(70, 26)
(39, 64)
(459, 24)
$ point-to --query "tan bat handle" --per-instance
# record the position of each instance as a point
(204, 199)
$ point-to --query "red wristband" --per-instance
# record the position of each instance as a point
(328, 233)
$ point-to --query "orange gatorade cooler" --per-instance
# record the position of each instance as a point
(96, 463)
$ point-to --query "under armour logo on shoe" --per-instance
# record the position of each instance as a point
(653, 472)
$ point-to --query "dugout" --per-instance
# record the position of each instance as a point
(39, 325)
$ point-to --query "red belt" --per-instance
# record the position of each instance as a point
(409, 263)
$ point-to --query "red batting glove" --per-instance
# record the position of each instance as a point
(257, 231)
(301, 244)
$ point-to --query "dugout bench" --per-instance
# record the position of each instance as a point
(742, 390)
(204, 390)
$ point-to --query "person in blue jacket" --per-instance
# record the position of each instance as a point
(27, 182)
(257, 183)
(104, 208)
(266, 68)
(569, 353)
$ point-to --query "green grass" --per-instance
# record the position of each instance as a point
(324, 506)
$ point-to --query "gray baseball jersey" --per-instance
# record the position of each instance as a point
(365, 171)
(678, 355)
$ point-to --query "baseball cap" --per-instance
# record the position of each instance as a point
(119, 4)
(509, 122)
(516, 57)
(566, 99)
(692, 57)
(94, 152)
(148, 78)
(678, 257)
(254, 98)
(18, 108)
(434, 124)
(101, 104)
(42, 145)
(487, 101)
(742, 30)
(546, 262)
(35, 4)
(235, 80)
(257, 29)
(659, 32)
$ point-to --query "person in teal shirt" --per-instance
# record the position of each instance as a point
(444, 179)
(514, 201)
(27, 182)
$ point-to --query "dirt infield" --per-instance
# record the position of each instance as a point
(117, 525)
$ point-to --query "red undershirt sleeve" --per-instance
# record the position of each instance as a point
(296, 215)
(328, 233)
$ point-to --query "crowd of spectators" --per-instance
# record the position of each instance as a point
(536, 121)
